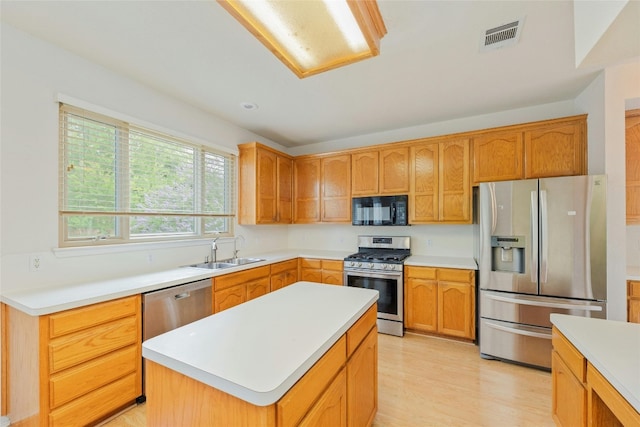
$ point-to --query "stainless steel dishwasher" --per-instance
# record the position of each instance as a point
(170, 308)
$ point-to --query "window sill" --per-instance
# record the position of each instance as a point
(128, 247)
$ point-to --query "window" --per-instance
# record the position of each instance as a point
(120, 183)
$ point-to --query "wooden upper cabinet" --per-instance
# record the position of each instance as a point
(632, 151)
(498, 156)
(364, 173)
(336, 188)
(285, 190)
(556, 148)
(454, 185)
(306, 179)
(265, 185)
(393, 173)
(423, 189)
(380, 172)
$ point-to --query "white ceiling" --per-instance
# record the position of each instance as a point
(430, 68)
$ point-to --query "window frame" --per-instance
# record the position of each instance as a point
(123, 212)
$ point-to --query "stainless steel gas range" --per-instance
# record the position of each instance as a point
(379, 265)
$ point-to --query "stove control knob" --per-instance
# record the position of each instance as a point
(371, 265)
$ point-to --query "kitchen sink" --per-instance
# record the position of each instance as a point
(213, 265)
(243, 261)
(227, 263)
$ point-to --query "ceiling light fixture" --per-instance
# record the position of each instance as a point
(313, 36)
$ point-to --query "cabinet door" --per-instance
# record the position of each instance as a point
(498, 157)
(455, 315)
(454, 184)
(394, 171)
(364, 173)
(336, 188)
(229, 297)
(266, 186)
(633, 301)
(568, 395)
(362, 382)
(284, 207)
(306, 190)
(632, 144)
(331, 408)
(423, 191)
(555, 149)
(421, 304)
(258, 288)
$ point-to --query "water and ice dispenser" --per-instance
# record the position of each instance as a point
(507, 253)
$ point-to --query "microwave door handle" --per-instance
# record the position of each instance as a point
(393, 213)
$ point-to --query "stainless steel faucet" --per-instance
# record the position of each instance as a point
(214, 250)
(235, 245)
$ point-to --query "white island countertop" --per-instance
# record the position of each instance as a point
(256, 351)
(612, 347)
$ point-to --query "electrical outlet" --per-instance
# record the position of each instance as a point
(429, 243)
(35, 263)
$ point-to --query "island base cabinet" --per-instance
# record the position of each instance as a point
(569, 396)
(331, 409)
(340, 389)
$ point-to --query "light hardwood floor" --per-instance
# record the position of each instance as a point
(427, 381)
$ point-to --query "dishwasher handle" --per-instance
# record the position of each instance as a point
(182, 295)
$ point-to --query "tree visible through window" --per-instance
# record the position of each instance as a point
(122, 183)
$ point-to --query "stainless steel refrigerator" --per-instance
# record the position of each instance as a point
(542, 251)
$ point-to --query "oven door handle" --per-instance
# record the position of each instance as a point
(373, 273)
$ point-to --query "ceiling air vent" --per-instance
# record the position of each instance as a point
(502, 36)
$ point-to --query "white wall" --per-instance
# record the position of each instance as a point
(33, 74)
(605, 100)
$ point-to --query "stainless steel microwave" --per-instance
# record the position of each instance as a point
(379, 210)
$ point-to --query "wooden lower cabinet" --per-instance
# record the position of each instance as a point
(87, 365)
(440, 300)
(633, 301)
(235, 288)
(340, 389)
(284, 274)
(321, 271)
(581, 396)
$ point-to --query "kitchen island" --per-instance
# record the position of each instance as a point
(303, 355)
(595, 372)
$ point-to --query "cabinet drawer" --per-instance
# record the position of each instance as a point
(83, 379)
(574, 360)
(453, 275)
(94, 406)
(310, 263)
(421, 272)
(280, 267)
(81, 318)
(361, 328)
(242, 277)
(295, 404)
(82, 346)
(332, 277)
(332, 265)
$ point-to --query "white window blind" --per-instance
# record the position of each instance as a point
(123, 183)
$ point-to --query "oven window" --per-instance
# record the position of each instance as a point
(388, 288)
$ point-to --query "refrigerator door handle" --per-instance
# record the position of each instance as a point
(544, 241)
(518, 331)
(566, 306)
(534, 236)
(494, 208)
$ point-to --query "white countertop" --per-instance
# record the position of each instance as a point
(612, 347)
(42, 301)
(257, 350)
(442, 261)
